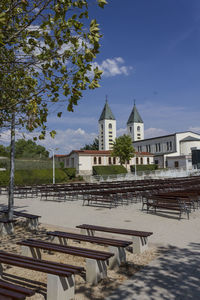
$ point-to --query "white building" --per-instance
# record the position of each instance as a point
(107, 128)
(173, 150)
(84, 160)
(135, 125)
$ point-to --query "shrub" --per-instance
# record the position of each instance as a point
(30, 177)
(144, 167)
(108, 170)
(70, 172)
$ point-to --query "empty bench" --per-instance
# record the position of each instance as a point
(96, 261)
(9, 291)
(168, 204)
(32, 221)
(60, 277)
(117, 247)
(139, 238)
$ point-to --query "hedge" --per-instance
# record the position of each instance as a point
(144, 167)
(29, 177)
(70, 172)
(109, 170)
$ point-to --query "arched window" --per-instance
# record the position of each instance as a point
(99, 160)
(109, 160)
(137, 160)
(110, 126)
(141, 160)
(95, 160)
(114, 160)
(138, 128)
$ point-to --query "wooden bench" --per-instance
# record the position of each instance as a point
(168, 204)
(9, 291)
(117, 247)
(60, 277)
(139, 238)
(96, 261)
(32, 221)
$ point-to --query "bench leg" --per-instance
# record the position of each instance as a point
(88, 232)
(32, 224)
(6, 228)
(1, 270)
(60, 288)
(95, 270)
(31, 252)
(140, 244)
(60, 240)
(118, 258)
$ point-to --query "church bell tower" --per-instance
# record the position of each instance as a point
(107, 128)
(135, 125)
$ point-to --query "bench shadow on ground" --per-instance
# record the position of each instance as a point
(175, 275)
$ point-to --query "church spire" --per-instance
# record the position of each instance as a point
(134, 116)
(106, 112)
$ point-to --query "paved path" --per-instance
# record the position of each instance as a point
(175, 275)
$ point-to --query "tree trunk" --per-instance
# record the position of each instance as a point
(12, 169)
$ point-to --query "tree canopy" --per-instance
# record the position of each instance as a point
(122, 148)
(92, 146)
(25, 149)
(46, 50)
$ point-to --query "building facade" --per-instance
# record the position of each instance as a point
(84, 160)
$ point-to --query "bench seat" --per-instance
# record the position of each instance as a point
(96, 260)
(13, 291)
(139, 238)
(59, 275)
(117, 247)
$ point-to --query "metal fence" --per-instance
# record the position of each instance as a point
(161, 174)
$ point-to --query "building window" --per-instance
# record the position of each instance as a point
(109, 160)
(176, 164)
(138, 134)
(156, 161)
(156, 147)
(141, 160)
(159, 147)
(139, 148)
(148, 161)
(110, 136)
(170, 145)
(138, 128)
(99, 160)
(95, 160)
(110, 140)
(114, 160)
(130, 129)
(137, 161)
(101, 126)
(110, 126)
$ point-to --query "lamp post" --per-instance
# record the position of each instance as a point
(135, 166)
(53, 156)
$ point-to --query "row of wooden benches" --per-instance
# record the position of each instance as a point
(60, 281)
(177, 201)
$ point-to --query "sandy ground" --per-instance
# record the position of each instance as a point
(168, 231)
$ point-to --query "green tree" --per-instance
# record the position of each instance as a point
(29, 149)
(93, 146)
(122, 148)
(4, 151)
(46, 50)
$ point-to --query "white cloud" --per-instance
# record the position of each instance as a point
(154, 132)
(113, 67)
(65, 140)
(121, 131)
(195, 129)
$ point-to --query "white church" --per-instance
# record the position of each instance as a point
(169, 151)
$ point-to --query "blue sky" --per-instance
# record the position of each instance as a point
(150, 51)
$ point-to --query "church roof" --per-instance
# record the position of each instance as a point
(189, 138)
(134, 116)
(106, 113)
